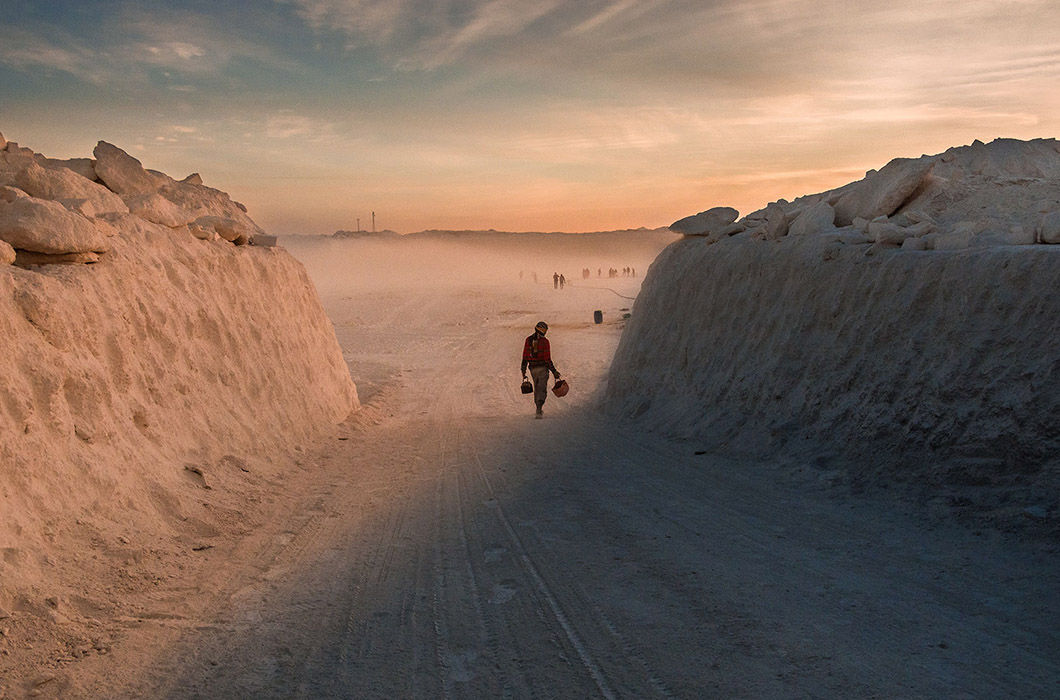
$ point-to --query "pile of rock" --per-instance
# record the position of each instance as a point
(65, 211)
(1003, 193)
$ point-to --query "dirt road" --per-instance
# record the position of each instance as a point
(445, 544)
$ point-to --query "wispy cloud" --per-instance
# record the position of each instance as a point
(287, 125)
(126, 48)
(25, 50)
(606, 14)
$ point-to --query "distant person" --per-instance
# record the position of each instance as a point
(538, 357)
(562, 281)
(555, 280)
(535, 276)
(599, 272)
(520, 275)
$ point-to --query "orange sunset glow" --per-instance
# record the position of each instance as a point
(503, 114)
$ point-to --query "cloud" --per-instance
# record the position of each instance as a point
(25, 50)
(178, 50)
(289, 125)
(420, 35)
(126, 48)
(606, 14)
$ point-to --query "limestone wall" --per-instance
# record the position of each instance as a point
(797, 332)
(173, 351)
(892, 363)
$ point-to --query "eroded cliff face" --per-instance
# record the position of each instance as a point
(877, 362)
(174, 360)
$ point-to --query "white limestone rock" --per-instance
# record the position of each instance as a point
(817, 218)
(845, 236)
(231, 230)
(10, 194)
(1049, 229)
(1010, 235)
(157, 209)
(44, 226)
(203, 233)
(912, 217)
(191, 199)
(882, 193)
(263, 240)
(199, 201)
(7, 253)
(62, 184)
(82, 166)
(888, 232)
(13, 149)
(776, 222)
(706, 223)
(921, 228)
(122, 173)
(11, 164)
(83, 207)
(957, 238)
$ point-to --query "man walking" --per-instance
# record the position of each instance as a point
(538, 357)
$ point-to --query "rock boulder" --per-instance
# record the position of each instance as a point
(62, 183)
(122, 173)
(157, 209)
(7, 253)
(706, 223)
(82, 166)
(816, 218)
(882, 193)
(43, 226)
(229, 229)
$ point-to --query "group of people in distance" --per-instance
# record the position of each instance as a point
(559, 280)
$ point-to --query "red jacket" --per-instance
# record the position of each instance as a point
(536, 352)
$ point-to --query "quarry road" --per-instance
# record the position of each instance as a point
(446, 545)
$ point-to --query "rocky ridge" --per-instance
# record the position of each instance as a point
(66, 211)
(1006, 192)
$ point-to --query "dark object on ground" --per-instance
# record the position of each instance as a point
(598, 316)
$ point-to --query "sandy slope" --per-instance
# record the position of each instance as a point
(447, 545)
(149, 401)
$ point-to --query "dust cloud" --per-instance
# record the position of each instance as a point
(455, 259)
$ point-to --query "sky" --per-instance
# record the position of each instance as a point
(522, 115)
